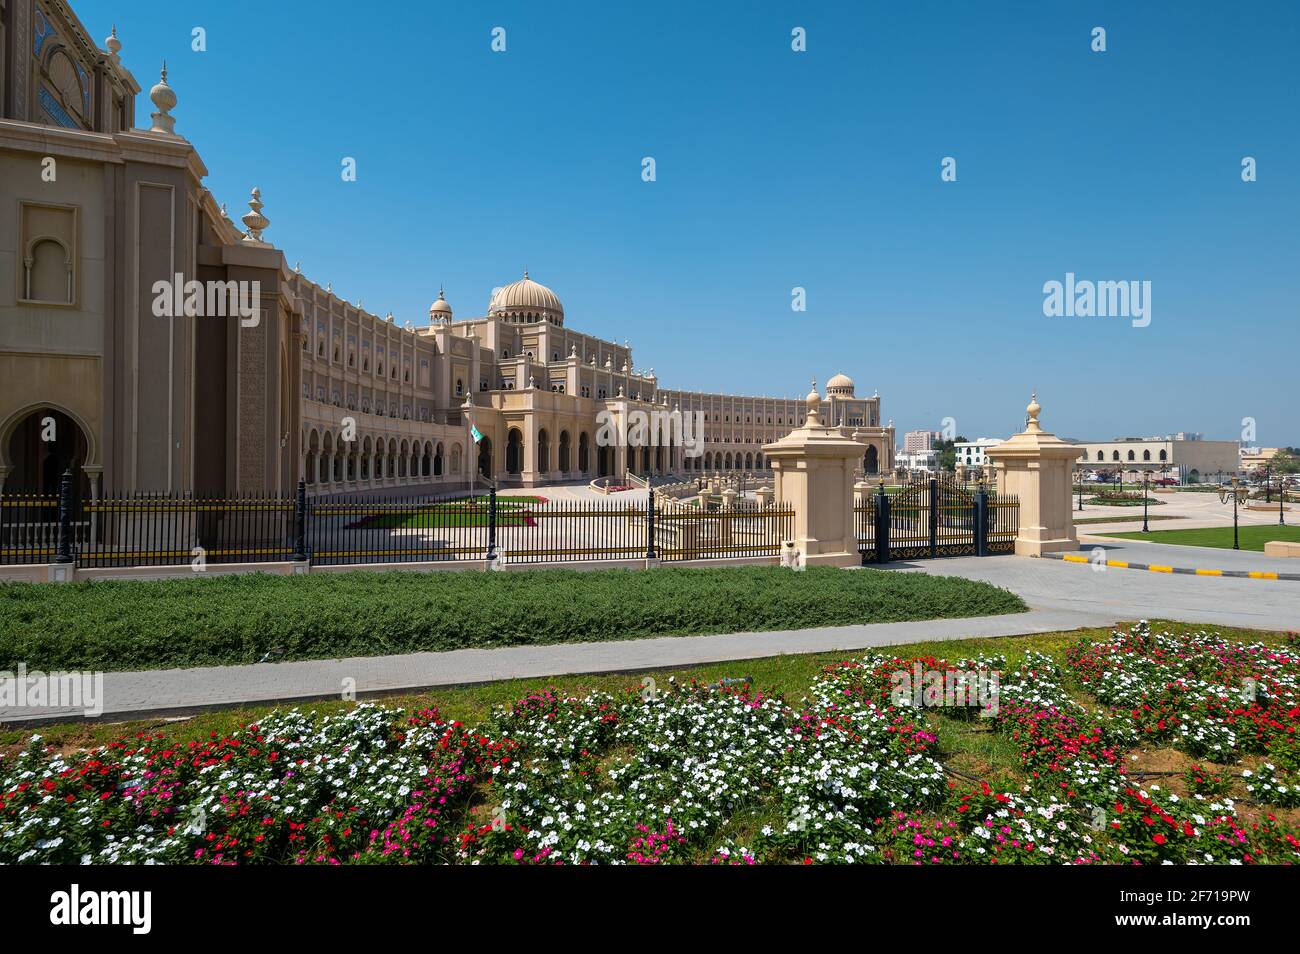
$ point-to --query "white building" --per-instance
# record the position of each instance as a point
(971, 453)
(926, 460)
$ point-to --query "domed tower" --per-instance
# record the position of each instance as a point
(526, 302)
(440, 310)
(841, 385)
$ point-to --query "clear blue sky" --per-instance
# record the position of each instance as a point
(777, 169)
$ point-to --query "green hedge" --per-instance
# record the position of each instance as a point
(224, 620)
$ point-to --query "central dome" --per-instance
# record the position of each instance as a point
(840, 384)
(526, 301)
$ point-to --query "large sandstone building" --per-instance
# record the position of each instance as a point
(95, 213)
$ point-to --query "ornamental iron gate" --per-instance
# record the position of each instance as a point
(935, 517)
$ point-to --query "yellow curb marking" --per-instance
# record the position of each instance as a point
(1119, 563)
(1071, 558)
(1209, 573)
(1257, 575)
(1160, 569)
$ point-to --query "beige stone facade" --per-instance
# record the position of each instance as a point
(312, 387)
(1192, 460)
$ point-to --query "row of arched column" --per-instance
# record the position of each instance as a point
(331, 461)
(727, 460)
(566, 459)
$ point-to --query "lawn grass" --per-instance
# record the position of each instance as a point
(1253, 537)
(1124, 518)
(459, 512)
(232, 620)
(787, 676)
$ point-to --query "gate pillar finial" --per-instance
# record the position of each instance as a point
(1037, 467)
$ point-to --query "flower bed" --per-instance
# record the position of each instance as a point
(686, 773)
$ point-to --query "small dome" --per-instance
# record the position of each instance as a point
(440, 307)
(526, 301)
(840, 384)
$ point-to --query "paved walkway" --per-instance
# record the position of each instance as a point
(171, 692)
(1126, 594)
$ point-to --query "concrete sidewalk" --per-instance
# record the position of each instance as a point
(172, 692)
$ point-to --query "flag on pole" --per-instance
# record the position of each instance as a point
(474, 432)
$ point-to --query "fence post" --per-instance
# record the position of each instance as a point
(63, 549)
(882, 524)
(650, 526)
(300, 524)
(492, 523)
(934, 517)
(982, 522)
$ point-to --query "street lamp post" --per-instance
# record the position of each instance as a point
(1281, 500)
(471, 453)
(1079, 479)
(1145, 473)
(1237, 493)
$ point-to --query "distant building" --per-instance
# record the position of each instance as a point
(1253, 458)
(971, 453)
(926, 460)
(1190, 461)
(914, 441)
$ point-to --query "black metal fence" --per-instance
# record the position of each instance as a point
(935, 517)
(745, 529)
(178, 529)
(175, 529)
(555, 531)
(371, 530)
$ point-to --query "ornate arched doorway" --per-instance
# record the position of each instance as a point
(871, 460)
(41, 446)
(485, 457)
(514, 451)
(564, 452)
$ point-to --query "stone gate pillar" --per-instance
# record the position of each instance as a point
(814, 467)
(1037, 467)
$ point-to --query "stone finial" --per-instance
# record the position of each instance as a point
(1033, 410)
(814, 404)
(532, 382)
(297, 266)
(113, 45)
(225, 216)
(253, 219)
(164, 98)
(620, 390)
(573, 351)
